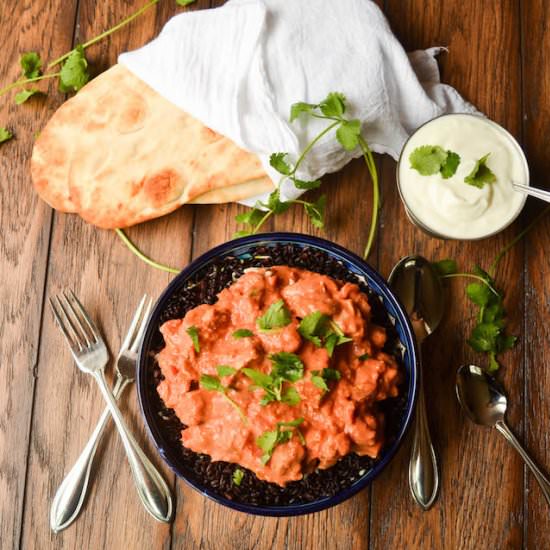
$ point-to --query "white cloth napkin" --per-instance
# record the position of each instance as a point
(238, 69)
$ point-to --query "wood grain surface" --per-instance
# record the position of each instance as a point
(497, 58)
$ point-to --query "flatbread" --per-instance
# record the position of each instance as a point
(119, 154)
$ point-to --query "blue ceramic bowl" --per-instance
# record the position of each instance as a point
(240, 248)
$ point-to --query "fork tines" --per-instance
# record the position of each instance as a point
(79, 330)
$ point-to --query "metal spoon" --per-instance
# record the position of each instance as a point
(417, 285)
(484, 402)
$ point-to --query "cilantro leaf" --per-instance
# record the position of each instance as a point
(445, 267)
(225, 370)
(242, 333)
(277, 161)
(5, 135)
(448, 168)
(23, 95)
(312, 327)
(333, 105)
(276, 316)
(250, 217)
(275, 204)
(287, 366)
(193, 333)
(270, 439)
(493, 363)
(259, 378)
(74, 72)
(334, 339)
(320, 378)
(428, 159)
(481, 174)
(296, 109)
(484, 337)
(212, 383)
(291, 397)
(479, 293)
(316, 211)
(364, 357)
(184, 2)
(31, 64)
(301, 184)
(348, 133)
(238, 474)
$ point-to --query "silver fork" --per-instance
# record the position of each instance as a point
(90, 354)
(71, 494)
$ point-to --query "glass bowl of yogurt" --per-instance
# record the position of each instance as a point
(443, 203)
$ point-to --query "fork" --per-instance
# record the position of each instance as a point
(71, 494)
(90, 354)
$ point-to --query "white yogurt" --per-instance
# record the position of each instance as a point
(450, 207)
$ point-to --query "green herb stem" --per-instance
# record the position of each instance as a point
(262, 221)
(142, 256)
(312, 143)
(107, 32)
(515, 240)
(471, 276)
(238, 409)
(19, 83)
(367, 154)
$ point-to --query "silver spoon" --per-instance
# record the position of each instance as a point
(484, 402)
(419, 288)
(532, 191)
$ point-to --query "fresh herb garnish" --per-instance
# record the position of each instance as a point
(225, 370)
(364, 357)
(74, 71)
(287, 367)
(23, 95)
(242, 333)
(270, 439)
(238, 475)
(276, 316)
(184, 2)
(489, 335)
(348, 134)
(193, 333)
(5, 135)
(481, 174)
(428, 160)
(213, 383)
(31, 64)
(320, 378)
(322, 331)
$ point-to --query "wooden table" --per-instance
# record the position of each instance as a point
(497, 60)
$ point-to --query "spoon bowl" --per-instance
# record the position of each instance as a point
(481, 396)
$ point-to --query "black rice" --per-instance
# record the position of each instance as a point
(218, 476)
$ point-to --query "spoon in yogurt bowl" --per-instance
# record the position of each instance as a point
(419, 288)
(532, 191)
(484, 402)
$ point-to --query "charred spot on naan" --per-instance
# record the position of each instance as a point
(162, 188)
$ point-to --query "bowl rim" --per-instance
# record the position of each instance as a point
(410, 341)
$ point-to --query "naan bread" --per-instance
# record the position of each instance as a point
(118, 154)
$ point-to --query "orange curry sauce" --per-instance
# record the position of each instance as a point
(335, 422)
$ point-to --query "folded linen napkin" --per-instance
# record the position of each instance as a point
(238, 69)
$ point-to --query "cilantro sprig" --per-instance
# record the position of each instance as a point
(481, 174)
(242, 333)
(276, 316)
(214, 383)
(286, 367)
(320, 329)
(348, 134)
(489, 334)
(237, 476)
(283, 432)
(320, 378)
(428, 160)
(5, 135)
